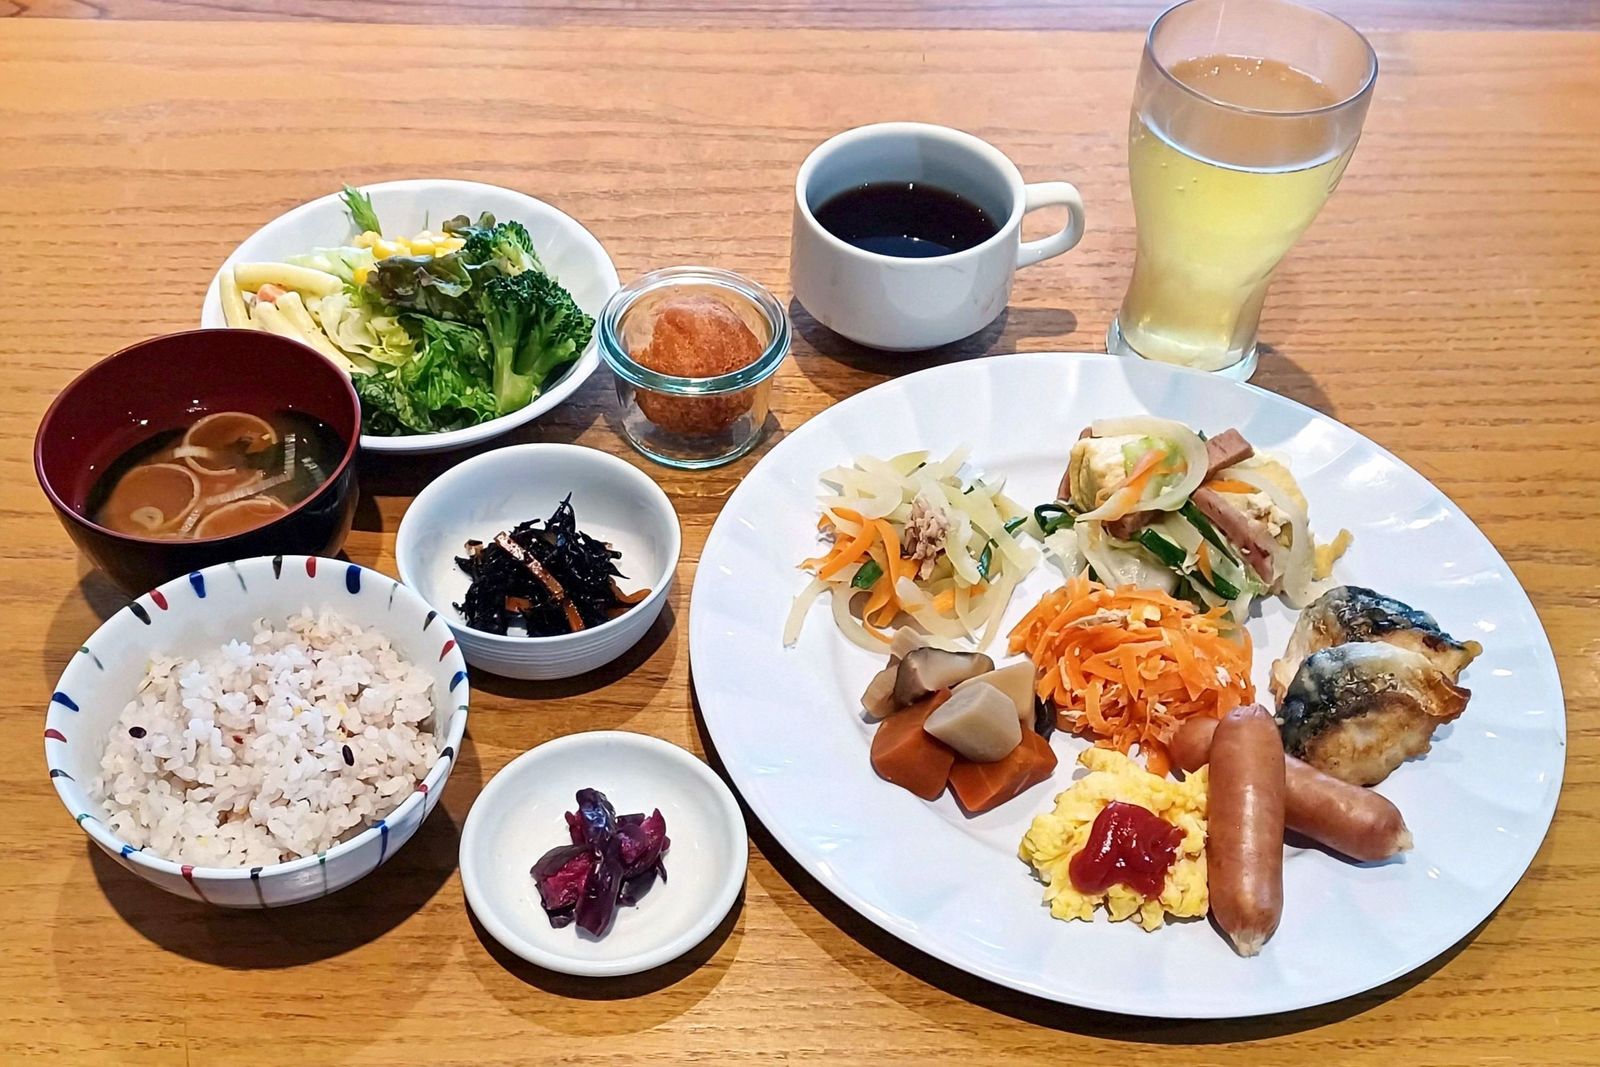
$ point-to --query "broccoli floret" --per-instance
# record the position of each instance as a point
(498, 247)
(534, 329)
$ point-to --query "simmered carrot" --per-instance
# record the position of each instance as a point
(903, 753)
(1128, 666)
(981, 786)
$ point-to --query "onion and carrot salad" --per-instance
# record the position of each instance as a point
(1127, 666)
(917, 544)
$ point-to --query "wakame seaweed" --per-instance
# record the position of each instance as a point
(549, 577)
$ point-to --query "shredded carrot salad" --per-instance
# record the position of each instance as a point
(1127, 666)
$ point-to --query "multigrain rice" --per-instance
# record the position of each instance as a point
(268, 750)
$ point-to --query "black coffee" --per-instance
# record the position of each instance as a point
(911, 220)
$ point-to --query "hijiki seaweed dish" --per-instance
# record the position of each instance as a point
(543, 578)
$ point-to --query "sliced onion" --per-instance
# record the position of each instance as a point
(1118, 567)
(1294, 565)
(911, 596)
(937, 624)
(1062, 546)
(871, 496)
(797, 610)
(200, 452)
(949, 465)
(241, 492)
(843, 594)
(906, 462)
(1195, 460)
(1000, 596)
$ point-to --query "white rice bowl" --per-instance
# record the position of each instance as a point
(269, 749)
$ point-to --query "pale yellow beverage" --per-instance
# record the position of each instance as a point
(1210, 232)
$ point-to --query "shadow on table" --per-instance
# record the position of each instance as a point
(1013, 325)
(1277, 373)
(1021, 1006)
(579, 1006)
(662, 634)
(302, 933)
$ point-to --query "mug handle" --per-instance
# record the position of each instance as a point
(1051, 194)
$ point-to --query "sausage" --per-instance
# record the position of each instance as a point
(1244, 828)
(1226, 449)
(1352, 820)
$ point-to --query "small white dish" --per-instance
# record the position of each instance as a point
(614, 501)
(567, 250)
(519, 817)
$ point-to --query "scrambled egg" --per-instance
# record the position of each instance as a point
(1056, 836)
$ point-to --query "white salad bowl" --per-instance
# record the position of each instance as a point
(518, 817)
(487, 494)
(567, 250)
(200, 612)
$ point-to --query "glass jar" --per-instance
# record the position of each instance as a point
(692, 421)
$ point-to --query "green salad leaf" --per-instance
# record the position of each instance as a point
(443, 387)
(456, 339)
(359, 205)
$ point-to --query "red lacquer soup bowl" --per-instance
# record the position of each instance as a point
(168, 383)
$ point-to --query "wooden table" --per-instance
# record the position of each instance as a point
(1447, 305)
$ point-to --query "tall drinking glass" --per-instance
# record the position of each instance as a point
(1244, 117)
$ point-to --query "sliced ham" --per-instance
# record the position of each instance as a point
(1248, 536)
(1222, 451)
(1226, 449)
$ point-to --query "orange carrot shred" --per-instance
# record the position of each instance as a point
(1124, 686)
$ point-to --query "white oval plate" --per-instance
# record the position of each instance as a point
(567, 250)
(518, 818)
(785, 722)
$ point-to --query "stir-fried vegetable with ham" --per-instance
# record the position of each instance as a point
(1152, 503)
(1128, 666)
(920, 545)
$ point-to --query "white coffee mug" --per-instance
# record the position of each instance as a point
(904, 304)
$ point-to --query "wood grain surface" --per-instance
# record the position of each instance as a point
(1447, 304)
(787, 14)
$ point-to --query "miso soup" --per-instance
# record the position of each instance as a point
(228, 472)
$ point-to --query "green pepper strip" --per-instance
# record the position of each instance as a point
(986, 557)
(1052, 517)
(868, 575)
(1198, 520)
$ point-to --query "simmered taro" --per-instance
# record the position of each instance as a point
(547, 578)
(611, 860)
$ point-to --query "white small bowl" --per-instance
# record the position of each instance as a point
(567, 250)
(518, 817)
(614, 501)
(202, 611)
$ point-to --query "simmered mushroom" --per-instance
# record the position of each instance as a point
(878, 700)
(926, 670)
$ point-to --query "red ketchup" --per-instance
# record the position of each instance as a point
(1127, 844)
